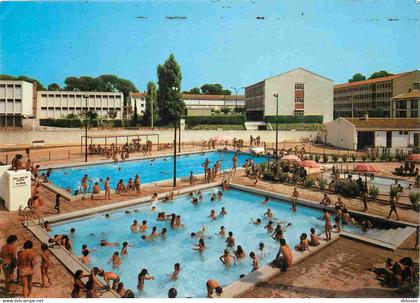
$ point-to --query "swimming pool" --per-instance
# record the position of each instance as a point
(150, 170)
(159, 256)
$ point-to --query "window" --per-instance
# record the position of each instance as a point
(299, 86)
(299, 100)
(299, 112)
(414, 114)
(402, 104)
(414, 104)
(416, 85)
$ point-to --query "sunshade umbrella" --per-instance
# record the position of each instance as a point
(221, 138)
(366, 168)
(414, 157)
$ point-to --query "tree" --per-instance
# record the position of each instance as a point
(54, 87)
(23, 78)
(357, 77)
(380, 74)
(151, 98)
(170, 104)
(214, 89)
(377, 113)
(195, 91)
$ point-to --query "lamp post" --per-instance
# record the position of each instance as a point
(174, 90)
(277, 126)
(86, 125)
(236, 94)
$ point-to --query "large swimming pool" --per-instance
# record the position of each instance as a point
(150, 170)
(159, 256)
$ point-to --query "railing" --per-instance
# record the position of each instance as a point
(28, 216)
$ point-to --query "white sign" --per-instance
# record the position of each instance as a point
(20, 181)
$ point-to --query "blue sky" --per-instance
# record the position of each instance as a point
(218, 42)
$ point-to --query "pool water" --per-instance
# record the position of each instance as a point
(159, 256)
(149, 170)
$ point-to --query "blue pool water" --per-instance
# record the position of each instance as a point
(159, 256)
(150, 170)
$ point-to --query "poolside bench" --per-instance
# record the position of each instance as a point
(38, 143)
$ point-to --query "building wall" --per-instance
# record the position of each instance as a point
(404, 83)
(59, 104)
(380, 139)
(341, 133)
(318, 94)
(16, 98)
(140, 103)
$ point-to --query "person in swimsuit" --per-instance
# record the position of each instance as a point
(255, 265)
(142, 276)
(293, 198)
(239, 252)
(108, 277)
(230, 240)
(78, 283)
(177, 270)
(225, 258)
(26, 262)
(45, 265)
(84, 183)
(314, 238)
(212, 285)
(8, 255)
(328, 225)
(137, 184)
(107, 189)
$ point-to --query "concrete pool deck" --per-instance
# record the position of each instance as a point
(355, 261)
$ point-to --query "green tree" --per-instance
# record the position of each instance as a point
(195, 91)
(23, 78)
(214, 89)
(54, 87)
(377, 113)
(170, 104)
(380, 74)
(357, 77)
(151, 98)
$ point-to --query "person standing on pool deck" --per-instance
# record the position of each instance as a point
(365, 200)
(393, 207)
(235, 163)
(8, 255)
(191, 178)
(107, 189)
(328, 225)
(84, 183)
(57, 203)
(205, 166)
(213, 285)
(26, 262)
(137, 184)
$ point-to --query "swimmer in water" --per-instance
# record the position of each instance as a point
(200, 246)
(116, 260)
(223, 212)
(177, 270)
(230, 240)
(221, 232)
(154, 232)
(269, 227)
(147, 238)
(143, 226)
(269, 214)
(225, 258)
(124, 250)
(163, 233)
(257, 222)
(134, 226)
(265, 201)
(212, 215)
(107, 244)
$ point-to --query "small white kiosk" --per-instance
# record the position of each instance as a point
(15, 187)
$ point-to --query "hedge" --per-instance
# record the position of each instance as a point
(233, 120)
(294, 119)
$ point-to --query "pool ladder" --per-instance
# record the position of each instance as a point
(29, 215)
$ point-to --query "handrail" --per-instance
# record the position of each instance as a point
(29, 213)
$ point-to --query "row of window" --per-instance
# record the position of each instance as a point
(80, 96)
(363, 87)
(403, 114)
(403, 104)
(299, 86)
(80, 108)
(11, 100)
(299, 112)
(299, 100)
(10, 85)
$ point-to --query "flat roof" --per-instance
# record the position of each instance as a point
(385, 123)
(211, 97)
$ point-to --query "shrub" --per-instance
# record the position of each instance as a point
(344, 158)
(353, 157)
(228, 119)
(118, 123)
(414, 199)
(322, 184)
(317, 158)
(309, 183)
(373, 157)
(334, 158)
(225, 110)
(383, 157)
(373, 192)
(324, 158)
(295, 119)
(364, 158)
(400, 157)
(311, 156)
(390, 158)
(347, 188)
(61, 122)
(268, 175)
(281, 176)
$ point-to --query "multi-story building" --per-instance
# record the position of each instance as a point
(16, 102)
(59, 104)
(139, 99)
(199, 104)
(406, 105)
(300, 93)
(356, 98)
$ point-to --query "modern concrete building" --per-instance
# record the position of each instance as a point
(202, 105)
(17, 99)
(300, 93)
(363, 133)
(59, 104)
(139, 99)
(356, 98)
(406, 105)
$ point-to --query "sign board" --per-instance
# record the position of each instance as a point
(21, 181)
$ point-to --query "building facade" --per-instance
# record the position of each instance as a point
(16, 102)
(406, 105)
(202, 105)
(300, 93)
(137, 100)
(356, 98)
(366, 132)
(59, 104)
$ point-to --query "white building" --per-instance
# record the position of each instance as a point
(300, 93)
(16, 102)
(59, 104)
(363, 133)
(200, 104)
(139, 99)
